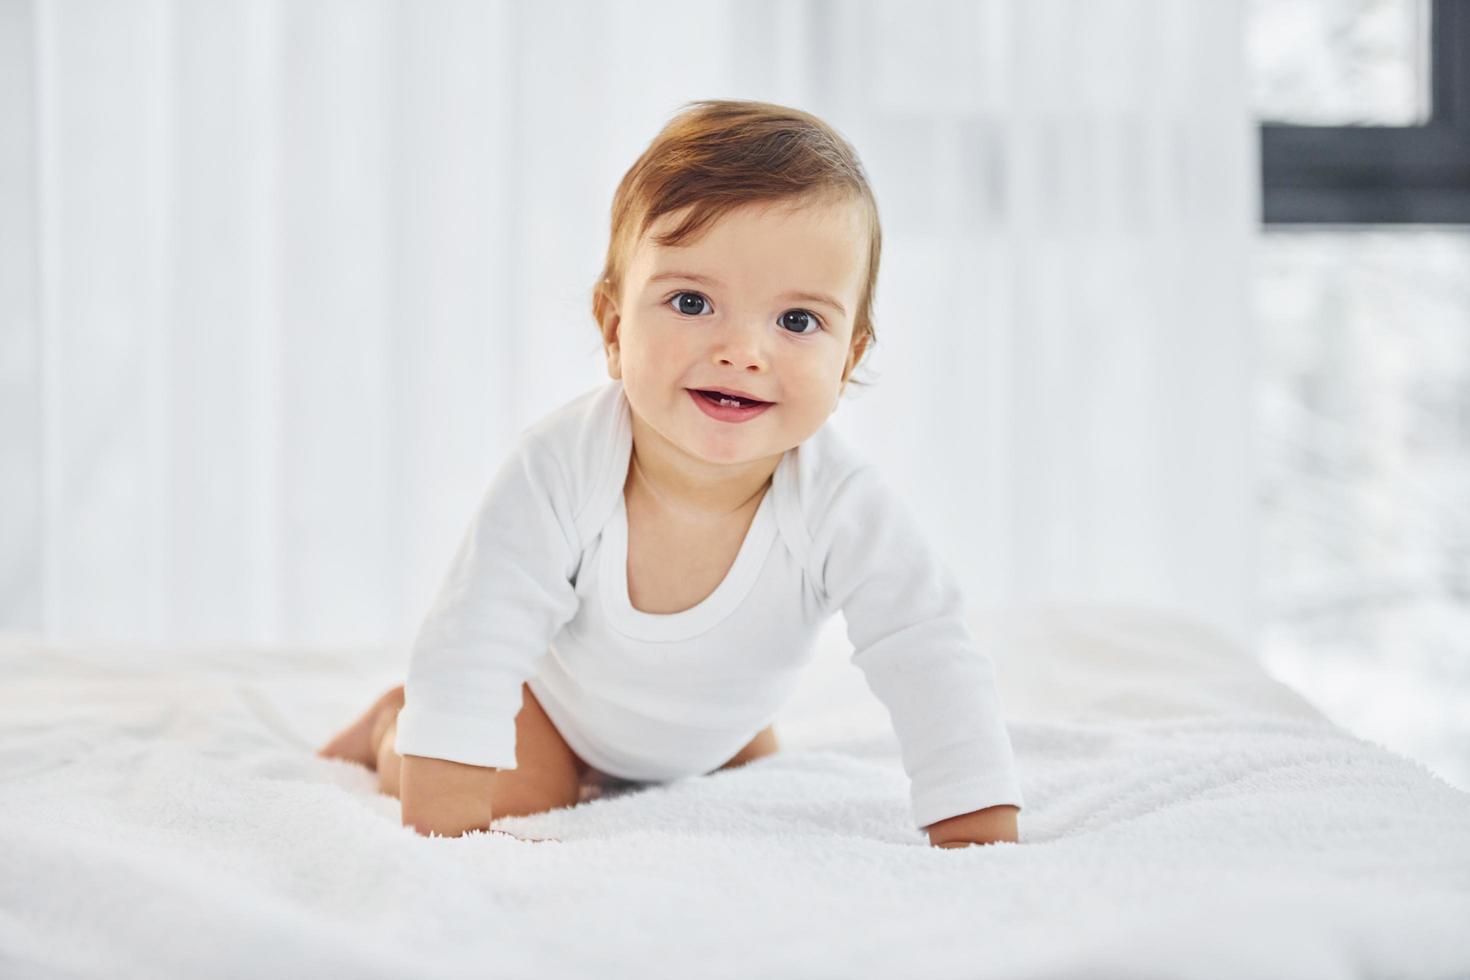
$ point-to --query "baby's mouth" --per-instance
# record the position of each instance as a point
(722, 399)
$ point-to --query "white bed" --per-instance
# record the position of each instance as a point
(162, 814)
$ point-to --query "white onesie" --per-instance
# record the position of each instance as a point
(538, 594)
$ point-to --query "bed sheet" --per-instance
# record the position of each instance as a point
(162, 814)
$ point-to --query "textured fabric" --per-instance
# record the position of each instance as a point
(1188, 817)
(538, 594)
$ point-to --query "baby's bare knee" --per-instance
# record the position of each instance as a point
(762, 745)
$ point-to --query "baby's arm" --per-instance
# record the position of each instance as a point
(906, 618)
(507, 593)
(443, 797)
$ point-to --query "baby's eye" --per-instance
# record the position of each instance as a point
(690, 304)
(800, 319)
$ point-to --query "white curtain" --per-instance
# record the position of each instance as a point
(281, 281)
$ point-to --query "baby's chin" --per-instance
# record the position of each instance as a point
(739, 448)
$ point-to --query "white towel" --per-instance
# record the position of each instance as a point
(162, 814)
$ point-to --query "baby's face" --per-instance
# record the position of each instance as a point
(761, 303)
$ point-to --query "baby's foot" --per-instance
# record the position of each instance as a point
(358, 742)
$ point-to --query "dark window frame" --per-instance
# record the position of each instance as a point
(1381, 174)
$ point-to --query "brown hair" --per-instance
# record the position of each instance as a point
(716, 155)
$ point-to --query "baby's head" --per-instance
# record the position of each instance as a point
(743, 256)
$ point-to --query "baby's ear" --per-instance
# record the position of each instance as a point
(605, 309)
(854, 355)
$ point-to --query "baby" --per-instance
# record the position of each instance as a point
(649, 569)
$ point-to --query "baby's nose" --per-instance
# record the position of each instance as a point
(744, 347)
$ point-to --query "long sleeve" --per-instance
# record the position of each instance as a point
(509, 590)
(906, 620)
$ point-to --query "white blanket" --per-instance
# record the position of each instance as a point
(162, 814)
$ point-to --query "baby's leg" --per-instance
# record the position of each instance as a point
(763, 744)
(358, 742)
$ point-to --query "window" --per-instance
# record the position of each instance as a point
(1375, 174)
(1362, 314)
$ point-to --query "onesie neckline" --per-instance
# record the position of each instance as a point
(733, 588)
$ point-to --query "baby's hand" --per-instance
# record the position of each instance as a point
(992, 825)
